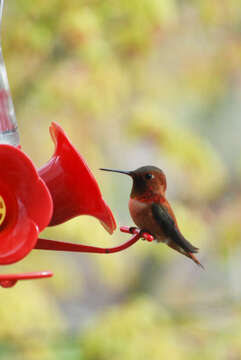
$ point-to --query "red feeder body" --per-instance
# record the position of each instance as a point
(26, 202)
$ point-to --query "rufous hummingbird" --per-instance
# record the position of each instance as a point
(151, 211)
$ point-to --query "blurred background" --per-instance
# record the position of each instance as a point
(132, 83)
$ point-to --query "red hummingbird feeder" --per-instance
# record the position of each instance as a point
(31, 199)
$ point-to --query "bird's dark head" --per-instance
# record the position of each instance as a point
(146, 180)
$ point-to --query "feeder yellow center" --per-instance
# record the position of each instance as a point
(2, 210)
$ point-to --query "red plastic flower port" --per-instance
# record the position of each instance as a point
(73, 187)
(25, 205)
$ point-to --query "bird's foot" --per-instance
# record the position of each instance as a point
(145, 235)
(134, 230)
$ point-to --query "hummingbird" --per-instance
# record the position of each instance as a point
(151, 211)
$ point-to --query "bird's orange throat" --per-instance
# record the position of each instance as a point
(149, 197)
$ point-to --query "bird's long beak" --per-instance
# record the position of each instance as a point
(118, 171)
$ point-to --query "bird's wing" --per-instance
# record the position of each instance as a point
(169, 228)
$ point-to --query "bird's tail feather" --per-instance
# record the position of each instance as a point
(191, 256)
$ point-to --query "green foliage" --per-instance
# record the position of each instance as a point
(141, 329)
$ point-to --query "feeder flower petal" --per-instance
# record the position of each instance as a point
(25, 205)
(72, 185)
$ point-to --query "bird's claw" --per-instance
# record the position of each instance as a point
(134, 230)
(146, 236)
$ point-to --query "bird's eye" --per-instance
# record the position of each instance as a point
(149, 176)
